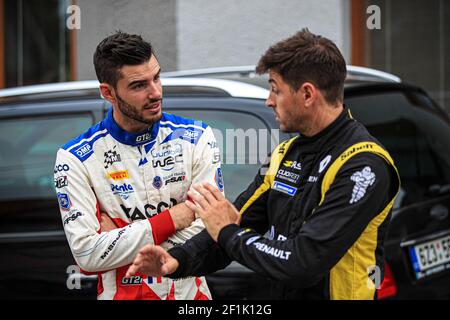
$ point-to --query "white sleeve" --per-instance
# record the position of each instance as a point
(205, 168)
(93, 251)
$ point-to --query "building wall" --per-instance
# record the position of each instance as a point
(414, 43)
(236, 32)
(203, 33)
(155, 20)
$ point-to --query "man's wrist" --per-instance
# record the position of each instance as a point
(226, 233)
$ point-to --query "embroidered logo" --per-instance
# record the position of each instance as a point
(363, 179)
(111, 156)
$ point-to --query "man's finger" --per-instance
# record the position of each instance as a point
(199, 200)
(148, 248)
(192, 205)
(214, 191)
(132, 270)
(138, 260)
(206, 193)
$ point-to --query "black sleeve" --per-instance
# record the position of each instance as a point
(252, 203)
(326, 235)
(198, 256)
(201, 255)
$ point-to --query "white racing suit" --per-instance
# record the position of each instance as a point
(134, 178)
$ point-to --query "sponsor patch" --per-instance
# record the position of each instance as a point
(293, 165)
(119, 175)
(168, 150)
(113, 243)
(61, 167)
(73, 217)
(274, 252)
(167, 163)
(174, 179)
(123, 190)
(212, 144)
(144, 137)
(219, 179)
(153, 280)
(367, 146)
(111, 156)
(324, 163)
(64, 201)
(216, 157)
(363, 179)
(284, 188)
(149, 210)
(288, 176)
(133, 280)
(84, 150)
(61, 182)
(157, 182)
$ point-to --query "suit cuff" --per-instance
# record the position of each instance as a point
(162, 226)
(226, 234)
(181, 256)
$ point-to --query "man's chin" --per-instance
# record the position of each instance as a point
(286, 129)
(154, 118)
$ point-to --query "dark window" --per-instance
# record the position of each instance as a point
(36, 42)
(28, 152)
(413, 43)
(415, 136)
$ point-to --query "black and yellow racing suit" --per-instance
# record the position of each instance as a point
(326, 203)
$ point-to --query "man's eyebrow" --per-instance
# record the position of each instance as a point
(136, 82)
(132, 83)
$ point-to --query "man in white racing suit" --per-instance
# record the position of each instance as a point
(137, 166)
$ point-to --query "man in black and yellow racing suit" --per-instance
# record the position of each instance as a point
(325, 197)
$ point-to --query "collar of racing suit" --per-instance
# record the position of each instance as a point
(133, 139)
(327, 135)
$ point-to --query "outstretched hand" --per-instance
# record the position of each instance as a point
(153, 261)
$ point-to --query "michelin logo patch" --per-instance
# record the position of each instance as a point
(363, 179)
(284, 188)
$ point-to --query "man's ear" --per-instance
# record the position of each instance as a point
(107, 92)
(309, 93)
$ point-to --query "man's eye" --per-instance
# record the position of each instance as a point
(274, 90)
(139, 85)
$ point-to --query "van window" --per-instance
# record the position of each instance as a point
(28, 149)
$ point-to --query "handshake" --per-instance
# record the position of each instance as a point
(208, 203)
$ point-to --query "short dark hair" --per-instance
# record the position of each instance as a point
(118, 50)
(306, 57)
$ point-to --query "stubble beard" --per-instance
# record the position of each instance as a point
(133, 115)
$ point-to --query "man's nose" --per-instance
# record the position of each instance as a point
(155, 91)
(270, 102)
